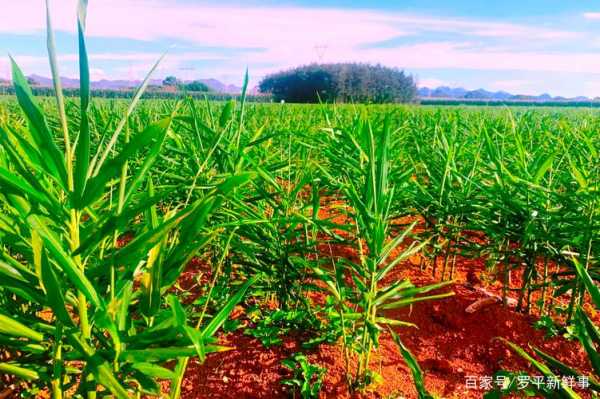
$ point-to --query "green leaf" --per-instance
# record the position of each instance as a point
(197, 340)
(26, 374)
(107, 226)
(583, 182)
(234, 182)
(568, 392)
(14, 328)
(100, 368)
(60, 101)
(147, 385)
(152, 278)
(23, 285)
(585, 333)
(412, 363)
(563, 369)
(410, 251)
(588, 282)
(19, 186)
(55, 293)
(82, 157)
(547, 164)
(178, 311)
(124, 302)
(64, 261)
(410, 301)
(220, 318)
(392, 291)
(394, 322)
(592, 331)
(51, 158)
(139, 246)
(226, 113)
(96, 186)
(82, 152)
(412, 291)
(165, 354)
(149, 159)
(387, 250)
(153, 370)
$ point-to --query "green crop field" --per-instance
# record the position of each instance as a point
(293, 220)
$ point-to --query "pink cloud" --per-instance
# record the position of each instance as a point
(288, 36)
(591, 15)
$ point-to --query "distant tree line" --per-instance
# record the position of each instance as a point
(195, 88)
(342, 82)
(510, 103)
(150, 93)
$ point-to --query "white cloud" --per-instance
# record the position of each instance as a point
(591, 88)
(288, 36)
(591, 15)
(455, 55)
(431, 83)
(132, 65)
(514, 86)
(98, 74)
(449, 55)
(480, 28)
(210, 24)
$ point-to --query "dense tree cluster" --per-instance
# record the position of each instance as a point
(170, 81)
(196, 85)
(347, 82)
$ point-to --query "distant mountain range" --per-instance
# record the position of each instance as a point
(69, 83)
(481, 94)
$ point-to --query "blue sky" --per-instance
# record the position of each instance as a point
(527, 46)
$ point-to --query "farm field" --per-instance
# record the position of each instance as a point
(194, 249)
(316, 249)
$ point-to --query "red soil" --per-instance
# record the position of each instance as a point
(450, 345)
